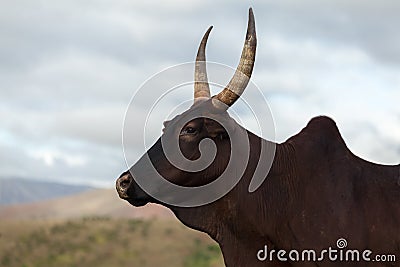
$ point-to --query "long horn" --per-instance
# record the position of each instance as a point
(201, 87)
(242, 75)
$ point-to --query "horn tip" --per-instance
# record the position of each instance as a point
(251, 27)
(207, 33)
(209, 30)
(251, 14)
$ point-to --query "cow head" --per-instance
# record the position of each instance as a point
(200, 138)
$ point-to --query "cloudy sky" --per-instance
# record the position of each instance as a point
(68, 70)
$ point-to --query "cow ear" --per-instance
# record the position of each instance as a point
(165, 124)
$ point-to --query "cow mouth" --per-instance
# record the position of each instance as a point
(137, 202)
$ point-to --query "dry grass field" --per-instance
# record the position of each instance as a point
(97, 229)
(105, 242)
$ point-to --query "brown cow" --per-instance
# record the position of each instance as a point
(317, 194)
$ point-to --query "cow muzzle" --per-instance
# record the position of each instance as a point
(122, 185)
(128, 190)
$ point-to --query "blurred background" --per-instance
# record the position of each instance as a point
(68, 70)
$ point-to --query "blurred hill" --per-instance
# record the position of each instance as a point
(92, 203)
(17, 190)
(96, 228)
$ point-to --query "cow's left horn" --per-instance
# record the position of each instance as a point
(201, 87)
(242, 75)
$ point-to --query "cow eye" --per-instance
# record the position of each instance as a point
(188, 130)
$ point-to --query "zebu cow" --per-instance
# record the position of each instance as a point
(316, 191)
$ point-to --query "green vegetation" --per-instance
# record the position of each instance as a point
(203, 255)
(105, 242)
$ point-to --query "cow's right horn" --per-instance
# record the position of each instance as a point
(201, 87)
(242, 75)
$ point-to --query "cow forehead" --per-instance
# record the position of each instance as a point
(206, 121)
(204, 112)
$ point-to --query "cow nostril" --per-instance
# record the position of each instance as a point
(124, 182)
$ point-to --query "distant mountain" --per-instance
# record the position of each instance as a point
(14, 191)
(92, 203)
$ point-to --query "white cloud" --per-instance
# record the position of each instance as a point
(49, 158)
